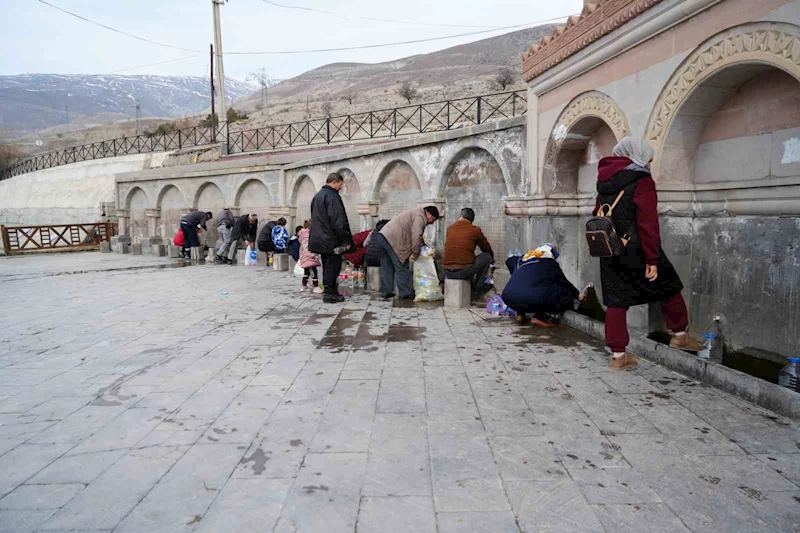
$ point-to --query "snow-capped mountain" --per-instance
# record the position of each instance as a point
(35, 101)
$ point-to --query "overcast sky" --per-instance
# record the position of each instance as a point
(41, 39)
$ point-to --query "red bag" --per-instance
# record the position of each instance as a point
(179, 239)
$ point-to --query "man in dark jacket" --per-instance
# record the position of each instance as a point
(189, 224)
(374, 251)
(330, 234)
(224, 226)
(265, 243)
(244, 229)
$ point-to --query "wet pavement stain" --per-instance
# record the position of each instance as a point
(311, 489)
(259, 460)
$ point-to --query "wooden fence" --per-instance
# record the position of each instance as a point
(25, 239)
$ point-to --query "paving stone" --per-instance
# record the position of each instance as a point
(399, 462)
(40, 496)
(396, 514)
(246, 505)
(109, 498)
(477, 523)
(465, 477)
(82, 468)
(17, 521)
(330, 484)
(526, 458)
(402, 391)
(24, 461)
(613, 486)
(785, 464)
(551, 506)
(650, 517)
(183, 495)
(347, 423)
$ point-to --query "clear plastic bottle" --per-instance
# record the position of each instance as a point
(788, 376)
(705, 353)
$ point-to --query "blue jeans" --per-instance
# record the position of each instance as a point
(391, 267)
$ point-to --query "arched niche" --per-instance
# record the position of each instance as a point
(476, 180)
(730, 110)
(138, 202)
(398, 189)
(351, 197)
(585, 132)
(303, 191)
(172, 203)
(210, 198)
(253, 197)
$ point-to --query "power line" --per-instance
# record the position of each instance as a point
(398, 43)
(153, 64)
(373, 19)
(118, 31)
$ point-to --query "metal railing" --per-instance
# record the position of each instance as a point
(20, 239)
(385, 123)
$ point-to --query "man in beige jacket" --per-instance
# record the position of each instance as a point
(399, 240)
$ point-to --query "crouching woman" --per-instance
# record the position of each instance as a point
(539, 287)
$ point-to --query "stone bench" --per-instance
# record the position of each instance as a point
(280, 262)
(174, 252)
(457, 293)
(158, 250)
(197, 253)
(374, 279)
(136, 248)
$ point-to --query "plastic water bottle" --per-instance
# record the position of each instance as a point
(705, 353)
(789, 374)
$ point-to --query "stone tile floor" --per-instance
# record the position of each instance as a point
(212, 398)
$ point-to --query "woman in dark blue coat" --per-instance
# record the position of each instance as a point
(538, 287)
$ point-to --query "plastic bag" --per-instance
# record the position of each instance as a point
(250, 257)
(299, 271)
(426, 281)
(496, 306)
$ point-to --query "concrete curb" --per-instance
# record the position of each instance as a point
(754, 390)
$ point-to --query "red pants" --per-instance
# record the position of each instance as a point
(675, 314)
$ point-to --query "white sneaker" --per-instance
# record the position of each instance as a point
(303, 288)
(318, 290)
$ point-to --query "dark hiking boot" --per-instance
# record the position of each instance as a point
(622, 363)
(332, 298)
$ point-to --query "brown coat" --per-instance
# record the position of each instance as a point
(459, 247)
(404, 233)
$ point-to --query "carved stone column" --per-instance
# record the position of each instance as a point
(124, 221)
(534, 181)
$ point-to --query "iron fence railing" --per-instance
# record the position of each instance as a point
(385, 123)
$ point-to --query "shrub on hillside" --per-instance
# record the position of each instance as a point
(9, 155)
(234, 115)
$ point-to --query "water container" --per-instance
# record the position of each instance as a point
(705, 353)
(789, 374)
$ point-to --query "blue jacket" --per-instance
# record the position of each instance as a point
(280, 237)
(538, 285)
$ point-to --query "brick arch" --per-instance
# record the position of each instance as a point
(380, 173)
(454, 153)
(761, 43)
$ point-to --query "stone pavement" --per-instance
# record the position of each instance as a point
(216, 398)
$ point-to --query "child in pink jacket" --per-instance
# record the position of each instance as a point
(308, 261)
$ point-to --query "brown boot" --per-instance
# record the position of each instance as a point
(542, 323)
(685, 343)
(622, 363)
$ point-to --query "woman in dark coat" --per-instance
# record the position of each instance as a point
(643, 273)
(539, 287)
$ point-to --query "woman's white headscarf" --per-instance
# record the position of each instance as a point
(545, 251)
(637, 150)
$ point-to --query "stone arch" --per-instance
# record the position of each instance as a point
(171, 201)
(303, 190)
(382, 168)
(130, 196)
(351, 196)
(398, 188)
(736, 50)
(454, 154)
(207, 189)
(589, 123)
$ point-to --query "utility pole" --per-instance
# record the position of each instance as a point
(220, 70)
(138, 117)
(213, 112)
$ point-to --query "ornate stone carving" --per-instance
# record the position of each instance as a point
(591, 104)
(596, 20)
(771, 43)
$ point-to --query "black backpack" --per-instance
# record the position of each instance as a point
(601, 233)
